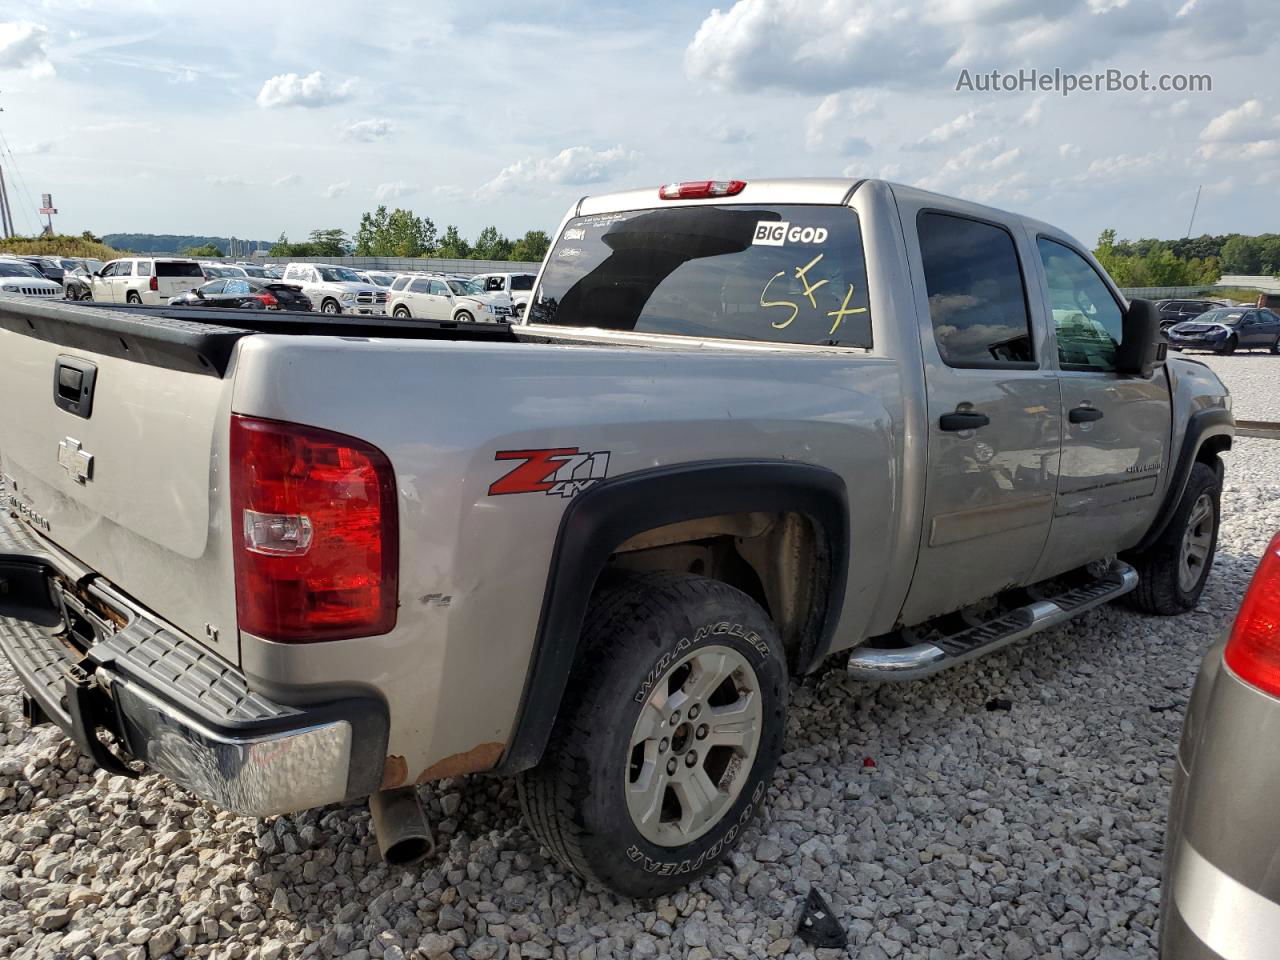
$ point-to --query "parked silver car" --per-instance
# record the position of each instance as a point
(1222, 885)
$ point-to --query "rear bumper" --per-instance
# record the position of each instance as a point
(166, 699)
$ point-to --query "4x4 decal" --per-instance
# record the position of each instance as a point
(557, 471)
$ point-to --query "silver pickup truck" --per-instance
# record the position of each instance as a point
(289, 560)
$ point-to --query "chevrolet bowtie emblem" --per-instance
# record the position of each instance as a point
(75, 461)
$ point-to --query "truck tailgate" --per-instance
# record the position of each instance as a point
(132, 490)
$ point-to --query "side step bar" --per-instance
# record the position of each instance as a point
(922, 659)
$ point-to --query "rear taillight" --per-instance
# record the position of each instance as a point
(315, 530)
(700, 189)
(155, 283)
(1253, 649)
(267, 299)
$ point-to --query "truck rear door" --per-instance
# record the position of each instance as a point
(1116, 435)
(994, 413)
(112, 447)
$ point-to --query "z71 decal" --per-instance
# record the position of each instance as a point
(558, 471)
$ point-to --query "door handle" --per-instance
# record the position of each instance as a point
(1084, 414)
(963, 420)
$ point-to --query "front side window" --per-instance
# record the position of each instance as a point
(977, 299)
(439, 289)
(1086, 318)
(214, 288)
(778, 274)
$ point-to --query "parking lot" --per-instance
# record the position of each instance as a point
(1011, 808)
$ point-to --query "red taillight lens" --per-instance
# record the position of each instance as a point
(155, 282)
(316, 534)
(700, 189)
(267, 299)
(1253, 649)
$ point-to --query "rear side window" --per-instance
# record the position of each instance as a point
(399, 283)
(144, 268)
(781, 274)
(176, 268)
(420, 286)
(977, 298)
(522, 281)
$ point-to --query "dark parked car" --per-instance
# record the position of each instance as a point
(245, 292)
(1269, 300)
(1226, 328)
(48, 267)
(1175, 311)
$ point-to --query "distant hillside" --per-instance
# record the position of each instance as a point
(174, 242)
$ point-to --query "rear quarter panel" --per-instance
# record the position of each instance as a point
(473, 567)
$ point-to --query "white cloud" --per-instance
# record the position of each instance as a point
(948, 131)
(1068, 151)
(288, 180)
(34, 147)
(835, 120)
(1249, 121)
(1268, 149)
(24, 46)
(367, 131)
(336, 189)
(814, 47)
(313, 90)
(228, 180)
(183, 76)
(985, 156)
(448, 191)
(572, 166)
(394, 191)
(1119, 166)
(1031, 116)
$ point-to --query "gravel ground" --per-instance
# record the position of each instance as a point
(1032, 832)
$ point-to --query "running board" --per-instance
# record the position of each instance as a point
(922, 659)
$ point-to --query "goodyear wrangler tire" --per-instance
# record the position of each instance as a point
(668, 737)
(1173, 570)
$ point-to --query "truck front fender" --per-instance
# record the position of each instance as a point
(1203, 427)
(608, 513)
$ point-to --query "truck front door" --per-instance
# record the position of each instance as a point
(994, 411)
(1115, 444)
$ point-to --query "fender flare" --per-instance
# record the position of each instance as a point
(606, 514)
(1201, 426)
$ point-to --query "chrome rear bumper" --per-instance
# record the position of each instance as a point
(90, 660)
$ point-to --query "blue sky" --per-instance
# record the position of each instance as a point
(249, 119)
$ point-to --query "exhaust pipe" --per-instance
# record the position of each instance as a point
(404, 836)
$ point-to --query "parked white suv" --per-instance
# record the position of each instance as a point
(440, 298)
(518, 286)
(335, 289)
(145, 280)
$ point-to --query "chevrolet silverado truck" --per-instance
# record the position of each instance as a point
(745, 430)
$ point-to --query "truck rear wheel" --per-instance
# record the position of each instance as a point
(1173, 570)
(668, 737)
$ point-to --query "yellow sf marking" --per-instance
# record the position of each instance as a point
(779, 303)
(844, 311)
(801, 276)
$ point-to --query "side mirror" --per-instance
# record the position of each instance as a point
(97, 273)
(1142, 344)
(198, 292)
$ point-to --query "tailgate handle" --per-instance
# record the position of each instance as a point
(73, 382)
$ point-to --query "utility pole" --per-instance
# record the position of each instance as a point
(1194, 208)
(6, 215)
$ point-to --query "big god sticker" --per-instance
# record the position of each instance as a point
(775, 233)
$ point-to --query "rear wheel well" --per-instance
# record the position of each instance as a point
(780, 560)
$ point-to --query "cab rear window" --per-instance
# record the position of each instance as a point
(782, 274)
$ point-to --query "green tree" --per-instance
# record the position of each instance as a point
(371, 235)
(204, 250)
(332, 242)
(1242, 255)
(491, 245)
(452, 246)
(532, 247)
